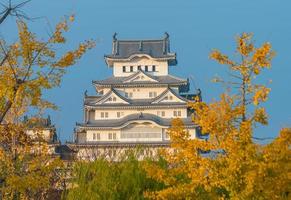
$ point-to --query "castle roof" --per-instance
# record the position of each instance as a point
(157, 101)
(123, 122)
(158, 80)
(157, 49)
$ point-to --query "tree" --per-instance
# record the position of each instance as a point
(13, 10)
(229, 164)
(29, 66)
(32, 65)
(104, 179)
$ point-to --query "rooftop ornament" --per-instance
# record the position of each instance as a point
(166, 38)
(114, 36)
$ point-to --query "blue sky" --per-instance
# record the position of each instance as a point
(195, 27)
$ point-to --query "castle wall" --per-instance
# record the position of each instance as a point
(120, 113)
(161, 67)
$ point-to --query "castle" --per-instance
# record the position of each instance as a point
(135, 106)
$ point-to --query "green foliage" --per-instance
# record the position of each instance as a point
(103, 179)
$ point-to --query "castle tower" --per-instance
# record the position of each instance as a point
(136, 105)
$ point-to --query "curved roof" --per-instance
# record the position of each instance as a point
(160, 80)
(136, 102)
(123, 122)
(157, 49)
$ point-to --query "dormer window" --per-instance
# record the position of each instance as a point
(152, 94)
(131, 68)
(146, 68)
(139, 67)
(153, 68)
(124, 68)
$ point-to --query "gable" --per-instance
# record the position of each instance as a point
(139, 77)
(169, 96)
(112, 98)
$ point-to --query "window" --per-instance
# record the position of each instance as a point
(177, 113)
(139, 67)
(124, 68)
(98, 136)
(171, 97)
(94, 136)
(154, 68)
(119, 114)
(128, 94)
(146, 68)
(131, 68)
(161, 113)
(112, 136)
(114, 99)
(152, 94)
(104, 114)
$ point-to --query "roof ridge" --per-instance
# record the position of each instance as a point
(120, 96)
(112, 90)
(139, 40)
(177, 77)
(157, 97)
(173, 92)
(139, 71)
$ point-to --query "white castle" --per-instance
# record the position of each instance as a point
(136, 105)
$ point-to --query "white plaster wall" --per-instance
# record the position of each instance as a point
(34, 133)
(161, 66)
(145, 128)
(152, 128)
(103, 135)
(112, 114)
(116, 153)
(141, 93)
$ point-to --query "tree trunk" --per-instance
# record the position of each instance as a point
(8, 105)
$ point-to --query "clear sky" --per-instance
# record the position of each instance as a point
(195, 27)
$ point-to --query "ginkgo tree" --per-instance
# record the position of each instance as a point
(229, 164)
(27, 68)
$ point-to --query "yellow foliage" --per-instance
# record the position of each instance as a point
(32, 65)
(28, 66)
(228, 164)
(261, 95)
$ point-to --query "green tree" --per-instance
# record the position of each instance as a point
(107, 180)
